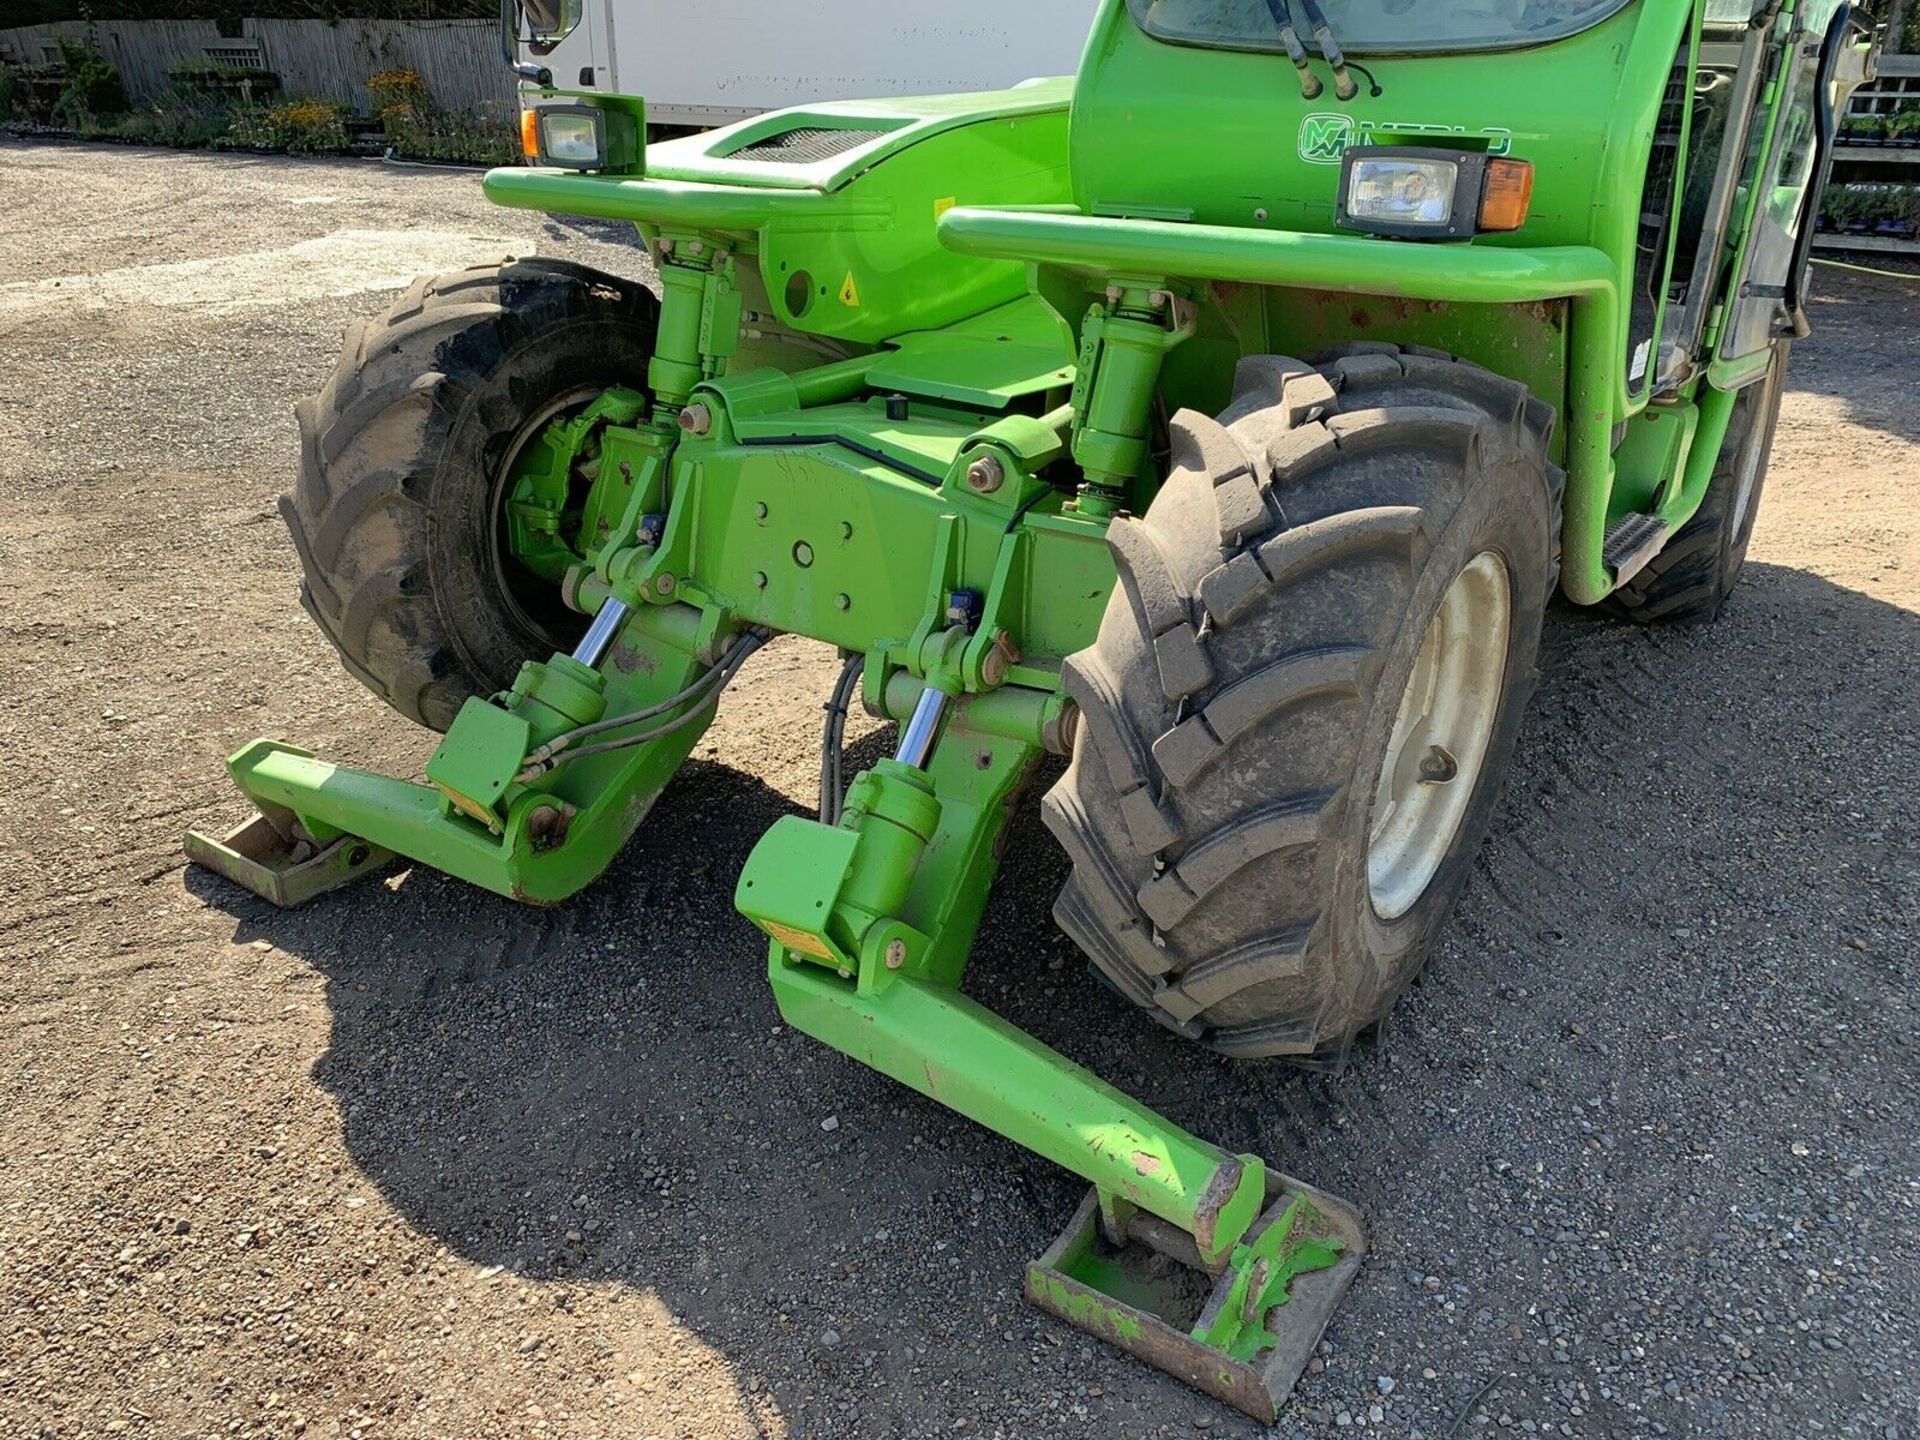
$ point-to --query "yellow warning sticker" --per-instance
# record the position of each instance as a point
(944, 204)
(850, 292)
(798, 940)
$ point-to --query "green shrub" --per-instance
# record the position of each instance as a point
(180, 118)
(301, 127)
(91, 88)
(395, 89)
(451, 135)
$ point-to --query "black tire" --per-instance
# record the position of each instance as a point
(1691, 577)
(396, 514)
(1240, 695)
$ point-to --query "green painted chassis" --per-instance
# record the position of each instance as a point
(979, 354)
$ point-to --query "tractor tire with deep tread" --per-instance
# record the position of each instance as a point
(397, 507)
(1695, 571)
(1241, 694)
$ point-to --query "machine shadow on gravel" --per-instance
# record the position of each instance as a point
(603, 1094)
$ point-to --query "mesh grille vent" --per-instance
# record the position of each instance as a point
(805, 145)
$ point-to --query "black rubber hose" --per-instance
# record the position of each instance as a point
(1344, 85)
(1310, 86)
(699, 697)
(833, 738)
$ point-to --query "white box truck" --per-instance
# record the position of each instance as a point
(720, 61)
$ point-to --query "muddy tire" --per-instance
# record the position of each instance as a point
(1243, 691)
(1691, 578)
(397, 510)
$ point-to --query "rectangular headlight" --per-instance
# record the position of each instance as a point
(1432, 194)
(572, 136)
(1401, 190)
(584, 137)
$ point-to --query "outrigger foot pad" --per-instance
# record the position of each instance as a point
(1148, 1293)
(279, 864)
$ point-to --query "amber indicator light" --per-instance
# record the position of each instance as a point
(1508, 193)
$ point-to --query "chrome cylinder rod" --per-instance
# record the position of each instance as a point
(923, 728)
(600, 633)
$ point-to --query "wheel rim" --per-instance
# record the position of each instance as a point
(1440, 736)
(522, 591)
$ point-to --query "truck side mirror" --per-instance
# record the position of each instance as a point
(550, 21)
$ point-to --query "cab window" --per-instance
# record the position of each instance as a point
(1373, 26)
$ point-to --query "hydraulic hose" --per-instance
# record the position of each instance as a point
(1344, 85)
(1310, 86)
(833, 740)
(697, 697)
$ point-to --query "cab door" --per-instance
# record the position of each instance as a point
(1822, 60)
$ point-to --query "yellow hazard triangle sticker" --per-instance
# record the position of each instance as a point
(850, 293)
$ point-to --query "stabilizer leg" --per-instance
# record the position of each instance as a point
(1207, 1265)
(508, 807)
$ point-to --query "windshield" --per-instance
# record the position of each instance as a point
(1375, 26)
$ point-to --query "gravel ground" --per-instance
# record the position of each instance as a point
(1640, 1155)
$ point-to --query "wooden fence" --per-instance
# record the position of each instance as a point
(458, 59)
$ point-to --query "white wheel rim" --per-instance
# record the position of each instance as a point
(1440, 736)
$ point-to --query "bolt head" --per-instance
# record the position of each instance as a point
(985, 475)
(696, 420)
(896, 954)
(664, 584)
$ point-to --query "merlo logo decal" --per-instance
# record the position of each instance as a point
(1323, 137)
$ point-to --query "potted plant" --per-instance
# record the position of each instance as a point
(1851, 211)
(1903, 127)
(1863, 129)
(1896, 211)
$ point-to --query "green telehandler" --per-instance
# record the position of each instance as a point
(1222, 419)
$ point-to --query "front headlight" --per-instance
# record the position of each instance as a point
(1402, 191)
(582, 137)
(572, 138)
(1419, 193)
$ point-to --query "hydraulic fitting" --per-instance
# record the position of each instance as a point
(985, 475)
